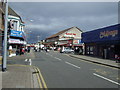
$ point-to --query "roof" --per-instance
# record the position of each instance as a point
(13, 13)
(61, 32)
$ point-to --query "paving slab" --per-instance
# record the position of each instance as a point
(18, 76)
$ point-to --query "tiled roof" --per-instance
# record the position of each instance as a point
(61, 32)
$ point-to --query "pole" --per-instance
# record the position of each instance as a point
(5, 38)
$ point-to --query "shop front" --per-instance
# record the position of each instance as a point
(103, 43)
(16, 41)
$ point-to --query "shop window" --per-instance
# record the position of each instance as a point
(90, 50)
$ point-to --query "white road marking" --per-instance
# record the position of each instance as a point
(106, 79)
(26, 60)
(72, 65)
(57, 58)
(30, 62)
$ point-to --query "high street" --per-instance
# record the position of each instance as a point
(61, 71)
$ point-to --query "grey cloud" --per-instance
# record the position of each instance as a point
(53, 17)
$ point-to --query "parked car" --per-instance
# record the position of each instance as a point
(67, 50)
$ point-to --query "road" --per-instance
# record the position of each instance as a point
(62, 71)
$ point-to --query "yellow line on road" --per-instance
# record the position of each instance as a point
(40, 84)
(45, 86)
(39, 75)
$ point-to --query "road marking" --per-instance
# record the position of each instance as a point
(26, 60)
(57, 58)
(42, 79)
(92, 62)
(30, 62)
(72, 65)
(106, 79)
(39, 81)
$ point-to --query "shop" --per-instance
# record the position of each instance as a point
(16, 41)
(103, 42)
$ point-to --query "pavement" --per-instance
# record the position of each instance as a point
(19, 74)
(107, 62)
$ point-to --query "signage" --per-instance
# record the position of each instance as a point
(110, 33)
(70, 35)
(16, 41)
(106, 34)
(15, 33)
(77, 41)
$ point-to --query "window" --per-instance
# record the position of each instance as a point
(90, 50)
(15, 25)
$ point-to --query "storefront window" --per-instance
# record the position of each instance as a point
(90, 50)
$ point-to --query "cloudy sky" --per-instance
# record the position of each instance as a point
(47, 18)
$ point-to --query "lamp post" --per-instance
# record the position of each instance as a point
(5, 38)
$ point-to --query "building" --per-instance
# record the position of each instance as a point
(70, 37)
(103, 42)
(17, 37)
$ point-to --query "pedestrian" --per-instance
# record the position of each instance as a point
(23, 50)
(29, 49)
(10, 50)
(39, 49)
(26, 49)
(20, 50)
(17, 52)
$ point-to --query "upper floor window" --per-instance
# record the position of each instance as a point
(15, 25)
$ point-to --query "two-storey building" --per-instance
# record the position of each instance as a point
(17, 38)
(70, 37)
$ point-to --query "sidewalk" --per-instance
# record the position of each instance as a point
(18, 74)
(106, 62)
(20, 59)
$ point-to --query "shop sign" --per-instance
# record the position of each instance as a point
(69, 41)
(16, 41)
(77, 41)
(70, 34)
(112, 33)
(16, 33)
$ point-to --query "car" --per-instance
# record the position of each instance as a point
(67, 50)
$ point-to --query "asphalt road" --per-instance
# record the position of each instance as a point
(61, 71)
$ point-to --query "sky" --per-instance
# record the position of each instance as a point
(46, 18)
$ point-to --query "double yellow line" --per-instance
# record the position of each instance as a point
(41, 80)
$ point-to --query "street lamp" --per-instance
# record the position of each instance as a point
(5, 38)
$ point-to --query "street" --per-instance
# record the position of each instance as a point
(62, 71)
